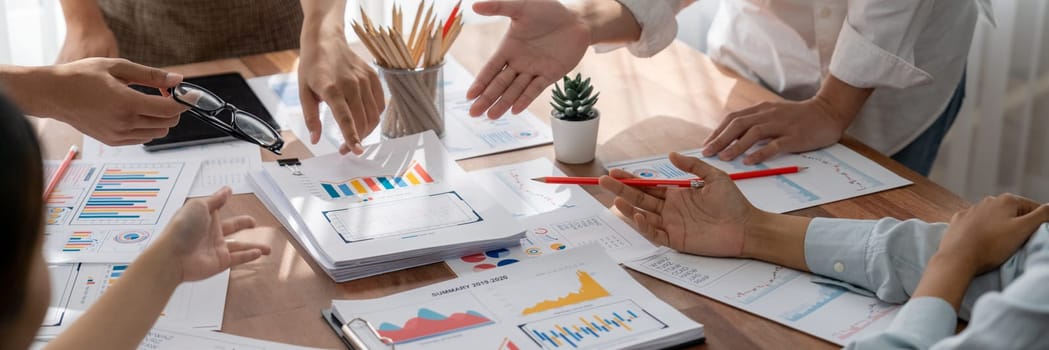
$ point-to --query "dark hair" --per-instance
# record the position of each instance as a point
(21, 207)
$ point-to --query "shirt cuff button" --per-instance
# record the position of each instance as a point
(839, 267)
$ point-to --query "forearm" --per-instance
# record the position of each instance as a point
(132, 305)
(82, 15)
(841, 100)
(778, 239)
(23, 86)
(322, 17)
(608, 21)
(947, 278)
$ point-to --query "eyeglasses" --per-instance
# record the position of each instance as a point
(211, 109)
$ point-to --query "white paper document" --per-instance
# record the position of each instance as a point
(465, 136)
(75, 287)
(222, 164)
(165, 337)
(774, 292)
(402, 204)
(834, 173)
(586, 302)
(559, 217)
(110, 211)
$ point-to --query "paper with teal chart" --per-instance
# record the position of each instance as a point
(222, 164)
(834, 173)
(465, 136)
(75, 287)
(110, 211)
(559, 217)
(587, 302)
(777, 293)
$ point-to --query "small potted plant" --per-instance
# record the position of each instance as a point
(575, 120)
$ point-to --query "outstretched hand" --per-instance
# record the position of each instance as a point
(196, 238)
(708, 221)
(545, 41)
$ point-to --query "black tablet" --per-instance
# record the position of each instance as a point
(232, 88)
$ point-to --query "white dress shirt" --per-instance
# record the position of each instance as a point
(913, 52)
(1007, 308)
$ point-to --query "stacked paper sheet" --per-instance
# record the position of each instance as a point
(404, 203)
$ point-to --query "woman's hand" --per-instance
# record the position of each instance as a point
(196, 242)
(978, 240)
(93, 96)
(789, 127)
(330, 72)
(984, 236)
(709, 221)
(545, 41)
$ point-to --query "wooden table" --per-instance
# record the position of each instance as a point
(649, 106)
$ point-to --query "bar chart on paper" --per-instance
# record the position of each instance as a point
(130, 194)
(591, 327)
(362, 187)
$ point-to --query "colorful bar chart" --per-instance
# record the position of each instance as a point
(79, 241)
(129, 194)
(599, 325)
(589, 290)
(115, 272)
(415, 175)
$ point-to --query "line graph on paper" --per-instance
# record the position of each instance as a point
(854, 178)
(824, 295)
(776, 277)
(535, 198)
(876, 310)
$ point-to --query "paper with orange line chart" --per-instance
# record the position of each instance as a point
(110, 211)
(587, 302)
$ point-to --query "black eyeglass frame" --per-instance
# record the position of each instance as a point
(211, 117)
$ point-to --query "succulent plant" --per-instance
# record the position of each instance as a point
(574, 102)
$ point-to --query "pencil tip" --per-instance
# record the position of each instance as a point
(803, 168)
(539, 179)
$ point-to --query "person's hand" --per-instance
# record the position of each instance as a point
(196, 242)
(93, 41)
(545, 41)
(330, 72)
(788, 127)
(709, 221)
(93, 96)
(988, 233)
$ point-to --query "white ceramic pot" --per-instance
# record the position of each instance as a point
(575, 142)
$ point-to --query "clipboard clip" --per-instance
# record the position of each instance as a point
(362, 336)
(358, 334)
(291, 164)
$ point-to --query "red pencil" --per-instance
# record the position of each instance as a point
(693, 183)
(61, 171)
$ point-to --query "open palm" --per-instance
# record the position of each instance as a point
(196, 238)
(545, 41)
(708, 221)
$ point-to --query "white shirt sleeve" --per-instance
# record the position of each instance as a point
(875, 47)
(658, 25)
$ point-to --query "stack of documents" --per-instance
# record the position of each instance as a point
(404, 203)
(581, 300)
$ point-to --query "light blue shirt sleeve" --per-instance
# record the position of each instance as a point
(886, 258)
